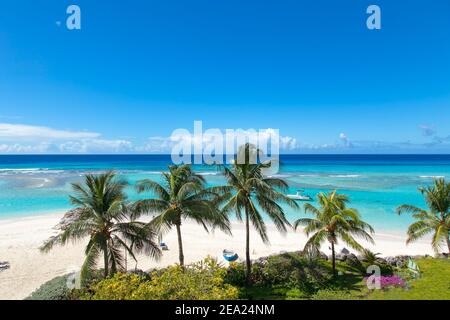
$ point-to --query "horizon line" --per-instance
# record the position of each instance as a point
(168, 154)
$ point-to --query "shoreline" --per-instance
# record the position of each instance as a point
(21, 237)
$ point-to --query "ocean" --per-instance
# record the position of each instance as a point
(377, 184)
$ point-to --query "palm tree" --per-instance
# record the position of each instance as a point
(252, 194)
(333, 221)
(436, 220)
(182, 195)
(369, 256)
(103, 216)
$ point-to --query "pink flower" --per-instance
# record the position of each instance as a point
(390, 281)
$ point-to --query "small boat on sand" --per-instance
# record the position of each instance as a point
(4, 265)
(230, 255)
(299, 196)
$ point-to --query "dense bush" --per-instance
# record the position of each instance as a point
(55, 289)
(120, 286)
(362, 266)
(289, 270)
(199, 281)
(235, 274)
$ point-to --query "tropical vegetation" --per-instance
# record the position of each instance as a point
(104, 216)
(252, 195)
(182, 195)
(333, 221)
(203, 280)
(436, 220)
(285, 276)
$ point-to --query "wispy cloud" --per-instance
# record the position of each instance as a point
(24, 138)
(165, 144)
(9, 131)
(427, 131)
(436, 144)
(21, 138)
(97, 146)
(345, 140)
(24, 148)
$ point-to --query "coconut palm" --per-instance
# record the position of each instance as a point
(333, 221)
(103, 216)
(252, 194)
(369, 256)
(436, 220)
(182, 195)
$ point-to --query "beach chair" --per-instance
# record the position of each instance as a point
(4, 265)
(413, 267)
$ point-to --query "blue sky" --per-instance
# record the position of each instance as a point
(137, 70)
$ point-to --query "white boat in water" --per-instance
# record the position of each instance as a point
(299, 196)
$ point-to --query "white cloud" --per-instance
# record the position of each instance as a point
(21, 148)
(345, 140)
(20, 138)
(165, 144)
(96, 146)
(10, 131)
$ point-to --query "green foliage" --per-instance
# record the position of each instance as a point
(285, 276)
(433, 283)
(369, 256)
(252, 194)
(235, 274)
(182, 195)
(120, 286)
(360, 267)
(294, 271)
(55, 289)
(435, 221)
(290, 270)
(333, 221)
(103, 216)
(200, 281)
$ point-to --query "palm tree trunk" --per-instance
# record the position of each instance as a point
(105, 260)
(180, 245)
(333, 258)
(448, 244)
(248, 262)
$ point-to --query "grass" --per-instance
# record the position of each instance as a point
(434, 283)
(348, 283)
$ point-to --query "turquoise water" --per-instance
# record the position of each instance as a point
(34, 185)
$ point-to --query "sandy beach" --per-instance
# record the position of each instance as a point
(20, 239)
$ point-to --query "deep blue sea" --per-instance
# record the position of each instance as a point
(377, 184)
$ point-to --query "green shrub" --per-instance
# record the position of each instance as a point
(121, 286)
(294, 271)
(289, 271)
(55, 289)
(282, 269)
(200, 281)
(235, 274)
(360, 267)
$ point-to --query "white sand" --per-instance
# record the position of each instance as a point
(20, 239)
